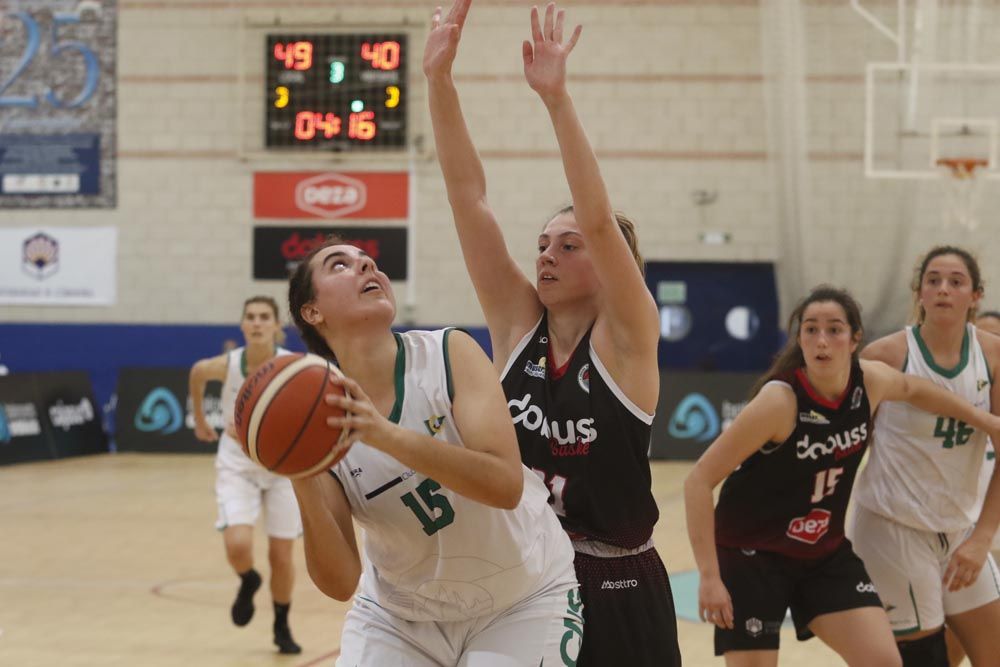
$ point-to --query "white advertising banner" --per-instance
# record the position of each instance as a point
(58, 266)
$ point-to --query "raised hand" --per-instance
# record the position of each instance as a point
(545, 56)
(442, 41)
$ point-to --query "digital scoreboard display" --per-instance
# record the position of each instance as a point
(336, 92)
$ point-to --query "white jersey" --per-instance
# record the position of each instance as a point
(923, 470)
(431, 554)
(230, 453)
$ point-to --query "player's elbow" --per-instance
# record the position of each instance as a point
(510, 496)
(339, 587)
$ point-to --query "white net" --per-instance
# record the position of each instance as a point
(962, 192)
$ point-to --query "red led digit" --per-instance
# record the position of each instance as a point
(362, 126)
(390, 55)
(331, 125)
(305, 125)
(295, 55)
(303, 54)
(382, 55)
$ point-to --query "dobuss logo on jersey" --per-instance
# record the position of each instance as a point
(159, 412)
(694, 419)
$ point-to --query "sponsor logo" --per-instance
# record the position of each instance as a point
(568, 432)
(839, 444)
(159, 412)
(569, 647)
(694, 419)
(868, 587)
(749, 552)
(535, 370)
(980, 384)
(856, 398)
(434, 424)
(889, 607)
(810, 528)
(331, 195)
(296, 247)
(813, 417)
(18, 420)
(755, 627)
(356, 472)
(40, 256)
(608, 584)
(583, 378)
(67, 416)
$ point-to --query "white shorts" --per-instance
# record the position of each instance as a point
(907, 567)
(545, 629)
(240, 494)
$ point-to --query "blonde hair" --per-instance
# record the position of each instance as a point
(627, 228)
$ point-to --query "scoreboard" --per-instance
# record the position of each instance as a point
(336, 92)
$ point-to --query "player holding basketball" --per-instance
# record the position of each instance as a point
(464, 562)
(915, 522)
(576, 352)
(776, 539)
(241, 485)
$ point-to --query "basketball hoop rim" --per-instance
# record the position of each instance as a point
(962, 167)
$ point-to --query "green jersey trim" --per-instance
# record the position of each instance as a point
(948, 373)
(447, 366)
(397, 408)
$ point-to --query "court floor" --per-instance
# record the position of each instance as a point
(113, 560)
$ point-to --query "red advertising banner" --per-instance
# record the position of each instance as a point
(331, 195)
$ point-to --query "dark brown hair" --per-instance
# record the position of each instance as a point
(279, 337)
(627, 228)
(301, 292)
(971, 264)
(790, 357)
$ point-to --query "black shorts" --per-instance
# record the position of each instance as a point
(628, 612)
(763, 585)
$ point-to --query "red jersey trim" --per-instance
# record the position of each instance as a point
(815, 395)
(557, 373)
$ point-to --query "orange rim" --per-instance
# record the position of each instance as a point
(962, 167)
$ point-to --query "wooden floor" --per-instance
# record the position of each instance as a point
(113, 560)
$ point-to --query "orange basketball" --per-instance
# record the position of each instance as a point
(281, 413)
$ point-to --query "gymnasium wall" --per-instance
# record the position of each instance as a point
(674, 93)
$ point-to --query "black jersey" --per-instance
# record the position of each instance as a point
(791, 497)
(585, 438)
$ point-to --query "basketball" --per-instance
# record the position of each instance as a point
(280, 415)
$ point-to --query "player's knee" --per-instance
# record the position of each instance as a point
(279, 557)
(929, 651)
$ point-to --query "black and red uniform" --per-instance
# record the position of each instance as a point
(590, 444)
(779, 523)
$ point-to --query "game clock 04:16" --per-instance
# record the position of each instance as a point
(336, 92)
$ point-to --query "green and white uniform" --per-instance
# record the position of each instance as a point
(448, 580)
(242, 486)
(916, 501)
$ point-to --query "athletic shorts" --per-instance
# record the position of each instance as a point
(545, 629)
(908, 567)
(763, 585)
(627, 606)
(240, 494)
